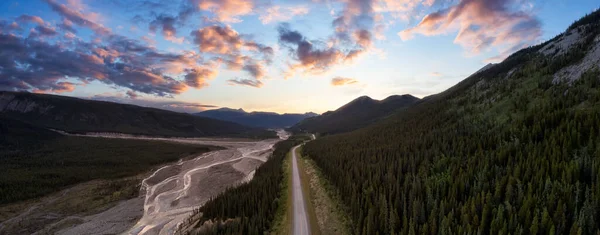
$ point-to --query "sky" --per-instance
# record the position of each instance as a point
(290, 56)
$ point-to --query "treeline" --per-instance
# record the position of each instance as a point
(249, 208)
(502, 154)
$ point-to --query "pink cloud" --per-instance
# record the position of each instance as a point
(245, 82)
(197, 77)
(279, 13)
(236, 52)
(218, 40)
(342, 81)
(74, 13)
(59, 87)
(226, 10)
(28, 18)
(480, 25)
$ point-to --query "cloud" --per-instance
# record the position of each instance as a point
(218, 40)
(435, 74)
(480, 25)
(225, 41)
(67, 25)
(167, 26)
(256, 70)
(197, 77)
(227, 11)
(131, 98)
(354, 25)
(267, 51)
(311, 58)
(405, 9)
(59, 87)
(44, 31)
(8, 27)
(278, 13)
(29, 18)
(75, 15)
(30, 64)
(245, 82)
(363, 38)
(354, 29)
(236, 52)
(341, 81)
(131, 94)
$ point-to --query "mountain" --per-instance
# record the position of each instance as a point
(512, 149)
(358, 113)
(256, 119)
(80, 116)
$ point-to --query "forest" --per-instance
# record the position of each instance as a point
(35, 161)
(500, 153)
(249, 208)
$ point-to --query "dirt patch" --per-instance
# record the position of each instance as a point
(112, 221)
(69, 207)
(247, 165)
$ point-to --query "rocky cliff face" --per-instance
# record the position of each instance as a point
(581, 41)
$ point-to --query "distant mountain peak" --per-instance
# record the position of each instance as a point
(256, 118)
(362, 98)
(356, 114)
(397, 97)
(230, 110)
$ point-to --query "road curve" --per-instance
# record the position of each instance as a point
(300, 226)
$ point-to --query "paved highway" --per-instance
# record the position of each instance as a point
(300, 226)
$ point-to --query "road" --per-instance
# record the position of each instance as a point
(300, 226)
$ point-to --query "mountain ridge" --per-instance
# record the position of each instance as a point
(78, 115)
(355, 114)
(256, 118)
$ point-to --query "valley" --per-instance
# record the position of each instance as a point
(166, 196)
(104, 129)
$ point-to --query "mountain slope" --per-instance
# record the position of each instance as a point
(358, 113)
(256, 119)
(512, 149)
(79, 115)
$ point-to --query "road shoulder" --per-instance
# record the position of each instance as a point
(327, 211)
(306, 191)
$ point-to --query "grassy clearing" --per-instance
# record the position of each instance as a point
(306, 190)
(283, 218)
(331, 215)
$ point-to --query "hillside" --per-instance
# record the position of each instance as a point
(512, 149)
(79, 115)
(256, 119)
(358, 113)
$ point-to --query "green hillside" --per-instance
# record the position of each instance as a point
(513, 149)
(356, 114)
